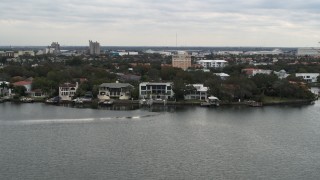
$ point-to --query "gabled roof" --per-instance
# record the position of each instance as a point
(155, 83)
(37, 91)
(222, 74)
(67, 85)
(22, 83)
(199, 87)
(115, 85)
(210, 60)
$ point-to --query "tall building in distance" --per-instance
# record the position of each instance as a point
(55, 46)
(94, 48)
(308, 51)
(181, 60)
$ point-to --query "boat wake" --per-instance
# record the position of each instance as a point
(73, 120)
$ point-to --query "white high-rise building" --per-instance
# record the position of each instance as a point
(56, 47)
(94, 48)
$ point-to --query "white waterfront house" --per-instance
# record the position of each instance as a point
(115, 91)
(67, 91)
(309, 77)
(212, 63)
(156, 90)
(199, 92)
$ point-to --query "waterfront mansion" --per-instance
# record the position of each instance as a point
(115, 91)
(67, 91)
(156, 90)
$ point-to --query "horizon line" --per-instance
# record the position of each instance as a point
(200, 46)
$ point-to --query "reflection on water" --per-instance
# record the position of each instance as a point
(153, 108)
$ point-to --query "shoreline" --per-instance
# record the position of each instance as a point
(177, 103)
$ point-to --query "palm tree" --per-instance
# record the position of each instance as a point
(3, 86)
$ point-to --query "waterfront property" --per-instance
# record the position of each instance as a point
(27, 84)
(196, 92)
(153, 90)
(37, 93)
(115, 91)
(309, 77)
(212, 63)
(67, 91)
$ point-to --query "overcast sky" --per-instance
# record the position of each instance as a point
(283, 23)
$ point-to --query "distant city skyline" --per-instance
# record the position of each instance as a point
(263, 23)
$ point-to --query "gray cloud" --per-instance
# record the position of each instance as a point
(72, 21)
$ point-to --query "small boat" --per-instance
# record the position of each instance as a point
(1, 100)
(53, 100)
(106, 102)
(26, 100)
(143, 102)
(77, 101)
(148, 102)
(109, 102)
(254, 104)
(211, 101)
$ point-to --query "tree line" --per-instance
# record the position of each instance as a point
(48, 75)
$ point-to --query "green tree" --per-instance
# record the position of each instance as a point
(168, 73)
(214, 85)
(264, 81)
(75, 61)
(19, 91)
(83, 88)
(3, 85)
(135, 93)
(243, 87)
(44, 84)
(154, 75)
(179, 89)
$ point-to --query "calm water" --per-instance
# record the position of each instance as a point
(39, 141)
